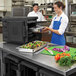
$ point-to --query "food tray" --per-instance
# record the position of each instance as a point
(31, 50)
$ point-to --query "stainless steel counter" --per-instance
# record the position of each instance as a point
(44, 61)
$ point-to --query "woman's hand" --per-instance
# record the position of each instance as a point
(46, 29)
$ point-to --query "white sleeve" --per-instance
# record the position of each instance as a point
(63, 26)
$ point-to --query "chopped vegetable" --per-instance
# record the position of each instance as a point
(59, 56)
(66, 48)
(33, 45)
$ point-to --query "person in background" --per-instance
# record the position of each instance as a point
(58, 25)
(36, 13)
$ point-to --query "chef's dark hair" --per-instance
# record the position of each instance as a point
(60, 4)
(35, 4)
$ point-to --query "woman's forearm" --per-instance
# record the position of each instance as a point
(52, 30)
(55, 31)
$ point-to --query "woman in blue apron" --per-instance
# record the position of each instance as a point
(58, 25)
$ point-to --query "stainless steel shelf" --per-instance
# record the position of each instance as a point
(71, 33)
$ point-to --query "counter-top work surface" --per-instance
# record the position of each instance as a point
(44, 61)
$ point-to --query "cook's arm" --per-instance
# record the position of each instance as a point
(62, 27)
(52, 30)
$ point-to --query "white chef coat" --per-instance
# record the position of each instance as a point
(64, 22)
(37, 14)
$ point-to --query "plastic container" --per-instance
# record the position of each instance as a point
(50, 16)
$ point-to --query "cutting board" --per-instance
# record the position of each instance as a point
(72, 51)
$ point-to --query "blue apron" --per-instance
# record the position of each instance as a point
(57, 39)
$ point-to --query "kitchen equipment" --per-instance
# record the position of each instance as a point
(0, 18)
(73, 28)
(18, 0)
(17, 29)
(73, 18)
(74, 39)
(21, 11)
(69, 38)
(18, 11)
(48, 50)
(74, 13)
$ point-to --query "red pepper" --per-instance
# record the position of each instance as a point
(57, 57)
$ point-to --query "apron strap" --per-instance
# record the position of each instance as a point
(60, 19)
(54, 18)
